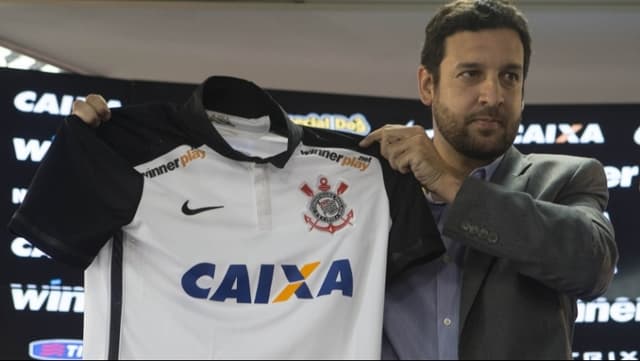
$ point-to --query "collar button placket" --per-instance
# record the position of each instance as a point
(262, 187)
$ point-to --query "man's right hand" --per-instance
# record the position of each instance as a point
(93, 110)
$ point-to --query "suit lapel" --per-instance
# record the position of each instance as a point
(511, 175)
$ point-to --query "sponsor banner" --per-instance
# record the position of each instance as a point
(30, 149)
(56, 349)
(561, 133)
(30, 101)
(606, 355)
(621, 310)
(17, 195)
(622, 177)
(33, 104)
(355, 124)
(24, 249)
(53, 297)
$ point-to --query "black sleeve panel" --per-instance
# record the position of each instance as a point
(81, 194)
(414, 237)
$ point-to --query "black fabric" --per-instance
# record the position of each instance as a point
(79, 181)
(141, 133)
(115, 316)
(232, 96)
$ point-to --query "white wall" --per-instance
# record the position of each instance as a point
(582, 53)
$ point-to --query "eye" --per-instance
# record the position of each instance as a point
(469, 74)
(511, 77)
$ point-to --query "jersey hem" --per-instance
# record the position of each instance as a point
(52, 246)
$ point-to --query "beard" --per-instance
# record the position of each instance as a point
(488, 144)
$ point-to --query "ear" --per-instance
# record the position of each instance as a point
(425, 85)
(522, 108)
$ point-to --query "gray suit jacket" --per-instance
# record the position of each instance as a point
(536, 240)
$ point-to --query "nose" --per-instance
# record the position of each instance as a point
(491, 92)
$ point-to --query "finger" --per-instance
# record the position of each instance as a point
(100, 105)
(392, 127)
(405, 162)
(401, 165)
(385, 146)
(379, 135)
(405, 155)
(374, 137)
(403, 132)
(393, 152)
(86, 112)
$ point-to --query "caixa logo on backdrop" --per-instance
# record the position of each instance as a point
(24, 249)
(29, 101)
(606, 355)
(560, 133)
(636, 136)
(56, 349)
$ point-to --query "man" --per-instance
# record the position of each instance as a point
(525, 235)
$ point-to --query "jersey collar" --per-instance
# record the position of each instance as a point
(241, 98)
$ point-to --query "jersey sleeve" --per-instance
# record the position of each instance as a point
(81, 194)
(414, 236)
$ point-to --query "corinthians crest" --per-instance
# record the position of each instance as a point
(328, 210)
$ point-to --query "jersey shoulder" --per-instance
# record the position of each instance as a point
(323, 138)
(144, 132)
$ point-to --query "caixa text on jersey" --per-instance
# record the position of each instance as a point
(255, 285)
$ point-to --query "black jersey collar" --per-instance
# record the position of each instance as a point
(244, 99)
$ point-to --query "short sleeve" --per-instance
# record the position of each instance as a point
(81, 194)
(414, 237)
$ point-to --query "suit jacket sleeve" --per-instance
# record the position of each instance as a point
(565, 243)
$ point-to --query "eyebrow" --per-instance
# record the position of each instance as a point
(513, 67)
(468, 65)
(472, 65)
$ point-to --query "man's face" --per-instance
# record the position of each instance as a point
(477, 103)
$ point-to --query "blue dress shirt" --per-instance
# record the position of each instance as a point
(422, 306)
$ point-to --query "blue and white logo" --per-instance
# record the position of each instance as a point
(56, 349)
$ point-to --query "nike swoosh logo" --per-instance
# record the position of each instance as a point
(192, 212)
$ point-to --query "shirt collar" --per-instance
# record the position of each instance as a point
(241, 98)
(486, 173)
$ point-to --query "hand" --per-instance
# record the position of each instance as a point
(93, 110)
(408, 149)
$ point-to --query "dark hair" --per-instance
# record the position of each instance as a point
(471, 15)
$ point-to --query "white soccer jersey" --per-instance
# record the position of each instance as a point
(201, 239)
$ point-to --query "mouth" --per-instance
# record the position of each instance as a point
(487, 119)
(488, 122)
